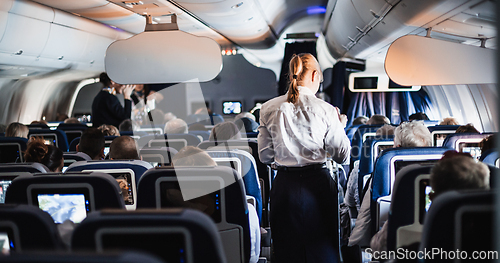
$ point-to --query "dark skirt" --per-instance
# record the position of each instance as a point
(304, 217)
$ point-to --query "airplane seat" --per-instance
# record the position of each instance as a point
(405, 215)
(248, 170)
(162, 156)
(107, 140)
(460, 220)
(38, 126)
(360, 136)
(389, 163)
(95, 191)
(24, 167)
(133, 133)
(2, 134)
(466, 142)
(251, 134)
(490, 157)
(176, 141)
(351, 130)
(72, 130)
(441, 130)
(372, 147)
(151, 129)
(82, 257)
(218, 191)
(28, 228)
(173, 235)
(204, 119)
(11, 149)
(55, 137)
(128, 170)
(204, 135)
(72, 157)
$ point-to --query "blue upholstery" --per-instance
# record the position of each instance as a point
(38, 126)
(441, 129)
(368, 152)
(204, 119)
(156, 154)
(490, 157)
(23, 167)
(357, 140)
(104, 187)
(84, 257)
(443, 222)
(72, 130)
(453, 139)
(403, 201)
(251, 134)
(205, 243)
(233, 203)
(204, 134)
(249, 174)
(191, 140)
(76, 156)
(62, 140)
(9, 149)
(384, 171)
(35, 228)
(133, 133)
(351, 131)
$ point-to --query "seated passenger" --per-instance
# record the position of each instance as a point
(455, 171)
(360, 120)
(468, 128)
(488, 143)
(123, 148)
(225, 131)
(168, 117)
(126, 125)
(419, 116)
(176, 126)
(407, 134)
(48, 155)
(17, 129)
(92, 143)
(109, 130)
(158, 118)
(71, 120)
(386, 130)
(449, 121)
(378, 119)
(193, 156)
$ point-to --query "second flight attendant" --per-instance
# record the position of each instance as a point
(296, 132)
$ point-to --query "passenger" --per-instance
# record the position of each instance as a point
(386, 130)
(378, 119)
(468, 128)
(449, 121)
(41, 122)
(488, 144)
(168, 117)
(225, 131)
(158, 118)
(17, 129)
(246, 124)
(126, 125)
(360, 120)
(48, 155)
(193, 156)
(92, 143)
(455, 171)
(419, 116)
(244, 114)
(407, 134)
(123, 148)
(109, 130)
(296, 133)
(71, 120)
(197, 127)
(176, 126)
(61, 116)
(106, 108)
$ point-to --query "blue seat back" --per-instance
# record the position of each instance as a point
(23, 167)
(233, 215)
(351, 130)
(441, 130)
(490, 157)
(162, 156)
(176, 141)
(80, 257)
(468, 140)
(29, 228)
(405, 203)
(61, 141)
(11, 149)
(204, 119)
(359, 137)
(248, 172)
(369, 152)
(463, 221)
(153, 232)
(203, 134)
(72, 130)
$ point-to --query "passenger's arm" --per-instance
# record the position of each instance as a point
(266, 148)
(336, 141)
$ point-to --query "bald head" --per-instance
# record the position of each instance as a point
(123, 148)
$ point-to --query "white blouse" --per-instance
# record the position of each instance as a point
(302, 133)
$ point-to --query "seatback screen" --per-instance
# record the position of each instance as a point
(400, 164)
(125, 182)
(231, 107)
(425, 202)
(10, 153)
(63, 204)
(5, 181)
(472, 148)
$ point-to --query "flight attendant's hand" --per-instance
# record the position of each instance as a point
(127, 91)
(343, 119)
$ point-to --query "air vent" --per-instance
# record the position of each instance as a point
(131, 4)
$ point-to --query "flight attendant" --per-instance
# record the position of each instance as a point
(296, 132)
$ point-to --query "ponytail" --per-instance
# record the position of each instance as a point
(36, 150)
(296, 70)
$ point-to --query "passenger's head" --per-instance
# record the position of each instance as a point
(17, 129)
(168, 117)
(449, 121)
(378, 119)
(61, 116)
(71, 120)
(360, 120)
(109, 130)
(488, 143)
(225, 131)
(420, 116)
(458, 171)
(126, 125)
(123, 148)
(176, 126)
(385, 130)
(469, 128)
(158, 118)
(197, 127)
(304, 70)
(92, 143)
(48, 155)
(192, 156)
(412, 134)
(244, 114)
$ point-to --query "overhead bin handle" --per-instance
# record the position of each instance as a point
(162, 26)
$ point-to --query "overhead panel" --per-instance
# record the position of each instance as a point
(414, 60)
